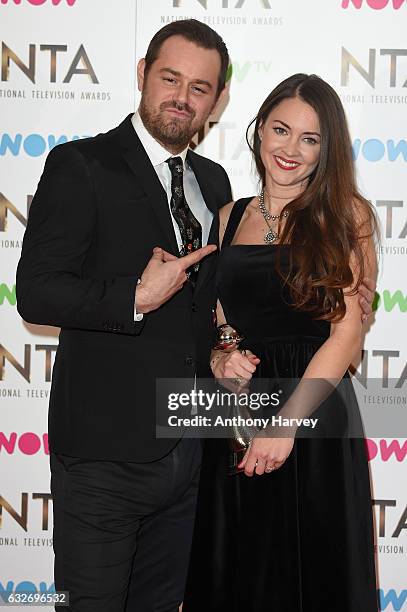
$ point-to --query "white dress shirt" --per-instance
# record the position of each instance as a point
(158, 155)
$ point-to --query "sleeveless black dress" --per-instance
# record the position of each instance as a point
(299, 539)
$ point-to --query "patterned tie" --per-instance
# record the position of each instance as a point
(189, 227)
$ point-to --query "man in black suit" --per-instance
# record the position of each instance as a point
(101, 259)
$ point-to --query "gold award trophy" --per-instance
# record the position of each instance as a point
(228, 340)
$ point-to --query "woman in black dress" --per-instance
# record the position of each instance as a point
(292, 532)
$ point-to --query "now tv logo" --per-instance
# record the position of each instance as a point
(373, 149)
(25, 586)
(33, 145)
(39, 2)
(392, 599)
(386, 449)
(377, 5)
(8, 293)
(28, 443)
(388, 299)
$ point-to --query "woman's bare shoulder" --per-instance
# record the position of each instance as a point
(224, 214)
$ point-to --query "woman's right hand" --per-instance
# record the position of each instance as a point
(236, 366)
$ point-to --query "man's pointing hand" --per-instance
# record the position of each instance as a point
(164, 275)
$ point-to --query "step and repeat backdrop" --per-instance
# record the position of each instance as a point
(68, 72)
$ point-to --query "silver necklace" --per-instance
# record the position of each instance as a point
(270, 236)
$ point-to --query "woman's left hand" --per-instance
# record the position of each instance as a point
(266, 455)
(367, 294)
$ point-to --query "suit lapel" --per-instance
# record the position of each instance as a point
(139, 162)
(213, 238)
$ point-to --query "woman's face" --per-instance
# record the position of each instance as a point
(290, 143)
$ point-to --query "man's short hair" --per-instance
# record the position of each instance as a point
(197, 32)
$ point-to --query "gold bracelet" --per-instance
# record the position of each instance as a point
(227, 338)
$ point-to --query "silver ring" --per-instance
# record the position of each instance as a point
(237, 381)
(269, 468)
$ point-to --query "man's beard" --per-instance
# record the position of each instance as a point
(168, 131)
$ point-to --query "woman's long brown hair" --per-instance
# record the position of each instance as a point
(327, 223)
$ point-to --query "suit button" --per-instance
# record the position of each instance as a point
(194, 307)
(189, 361)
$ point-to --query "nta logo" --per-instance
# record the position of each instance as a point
(369, 73)
(80, 59)
(378, 5)
(7, 206)
(388, 374)
(382, 505)
(391, 232)
(25, 369)
(21, 516)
